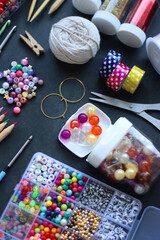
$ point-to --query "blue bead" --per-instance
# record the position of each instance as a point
(69, 192)
(40, 222)
(56, 212)
(13, 69)
(30, 72)
(25, 69)
(42, 214)
(57, 220)
(54, 198)
(81, 183)
(79, 176)
(69, 171)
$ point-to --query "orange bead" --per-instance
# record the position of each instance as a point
(96, 130)
(74, 124)
(45, 190)
(94, 120)
(26, 200)
(59, 230)
(41, 227)
(63, 193)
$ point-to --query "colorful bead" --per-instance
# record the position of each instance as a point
(91, 111)
(65, 134)
(74, 124)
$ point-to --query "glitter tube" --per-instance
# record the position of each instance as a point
(107, 19)
(132, 32)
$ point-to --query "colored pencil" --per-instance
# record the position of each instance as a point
(2, 125)
(40, 9)
(3, 116)
(7, 131)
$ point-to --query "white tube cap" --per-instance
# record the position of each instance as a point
(131, 35)
(106, 22)
(153, 52)
(87, 6)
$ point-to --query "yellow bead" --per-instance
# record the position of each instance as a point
(132, 165)
(59, 198)
(63, 181)
(119, 174)
(25, 94)
(53, 230)
(49, 203)
(46, 229)
(91, 139)
(130, 173)
(90, 111)
(74, 179)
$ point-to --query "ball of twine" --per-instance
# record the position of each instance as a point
(74, 40)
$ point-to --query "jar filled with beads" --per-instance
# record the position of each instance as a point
(126, 155)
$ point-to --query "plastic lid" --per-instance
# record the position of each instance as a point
(106, 22)
(113, 136)
(153, 52)
(87, 6)
(131, 35)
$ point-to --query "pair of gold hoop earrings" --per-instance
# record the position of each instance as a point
(62, 98)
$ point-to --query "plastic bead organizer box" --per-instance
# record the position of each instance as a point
(55, 201)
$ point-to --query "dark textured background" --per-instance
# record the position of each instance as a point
(45, 131)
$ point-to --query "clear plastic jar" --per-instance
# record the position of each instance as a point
(126, 155)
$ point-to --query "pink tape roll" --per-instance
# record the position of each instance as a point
(118, 76)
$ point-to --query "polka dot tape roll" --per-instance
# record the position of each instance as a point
(118, 77)
(133, 79)
(109, 64)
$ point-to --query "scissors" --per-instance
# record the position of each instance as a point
(137, 108)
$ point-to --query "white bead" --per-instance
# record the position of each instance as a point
(86, 127)
(5, 85)
(13, 63)
(63, 222)
(117, 154)
(124, 158)
(38, 158)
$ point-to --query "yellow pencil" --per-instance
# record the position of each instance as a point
(39, 9)
(2, 125)
(31, 9)
(55, 6)
(6, 131)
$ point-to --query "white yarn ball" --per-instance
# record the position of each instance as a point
(87, 6)
(74, 40)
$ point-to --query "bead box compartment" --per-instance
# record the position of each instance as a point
(12, 8)
(98, 216)
(81, 150)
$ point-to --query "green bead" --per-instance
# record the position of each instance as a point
(18, 67)
(68, 204)
(67, 214)
(59, 204)
(22, 204)
(76, 194)
(65, 187)
(64, 207)
(67, 181)
(37, 230)
(52, 214)
(74, 174)
(27, 207)
(15, 199)
(32, 203)
(53, 219)
(35, 188)
(35, 194)
(60, 188)
(43, 209)
(57, 235)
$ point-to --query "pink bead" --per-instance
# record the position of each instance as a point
(58, 209)
(69, 210)
(19, 73)
(23, 100)
(16, 110)
(64, 201)
(80, 188)
(58, 182)
(12, 74)
(45, 224)
(31, 232)
(13, 94)
(40, 82)
(18, 104)
(62, 213)
(49, 208)
(29, 96)
(53, 194)
(54, 205)
(24, 61)
(60, 176)
(73, 197)
(20, 84)
(16, 100)
(75, 184)
(51, 226)
(74, 189)
(26, 81)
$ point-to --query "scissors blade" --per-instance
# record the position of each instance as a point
(114, 102)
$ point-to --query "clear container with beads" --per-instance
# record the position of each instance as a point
(9, 7)
(126, 155)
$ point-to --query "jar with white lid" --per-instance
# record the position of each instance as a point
(126, 155)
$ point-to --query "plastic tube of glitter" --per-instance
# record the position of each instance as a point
(132, 32)
(108, 18)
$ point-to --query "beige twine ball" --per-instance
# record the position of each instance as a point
(74, 40)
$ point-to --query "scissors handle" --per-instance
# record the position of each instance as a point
(154, 121)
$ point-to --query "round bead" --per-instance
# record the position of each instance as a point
(65, 134)
(63, 222)
(10, 100)
(119, 174)
(16, 110)
(19, 73)
(86, 127)
(5, 85)
(94, 120)
(96, 130)
(23, 100)
(40, 82)
(82, 118)
(74, 124)
(124, 158)
(13, 63)
(91, 139)
(131, 173)
(90, 111)
(18, 66)
(24, 61)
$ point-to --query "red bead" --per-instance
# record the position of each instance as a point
(96, 130)
(74, 123)
(35, 225)
(45, 224)
(132, 152)
(52, 235)
(144, 166)
(94, 120)
(1, 4)
(1, 10)
(59, 230)
(84, 179)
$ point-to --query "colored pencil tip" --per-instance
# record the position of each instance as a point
(5, 113)
(7, 120)
(1, 109)
(15, 123)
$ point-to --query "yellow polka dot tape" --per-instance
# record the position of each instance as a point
(133, 79)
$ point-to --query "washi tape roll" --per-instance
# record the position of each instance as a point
(133, 79)
(109, 64)
(153, 51)
(118, 77)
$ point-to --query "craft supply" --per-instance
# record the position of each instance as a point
(60, 217)
(137, 108)
(55, 6)
(118, 76)
(133, 79)
(4, 26)
(3, 173)
(108, 18)
(3, 124)
(33, 4)
(110, 62)
(32, 43)
(3, 116)
(84, 129)
(71, 78)
(39, 10)
(62, 99)
(20, 85)
(74, 40)
(153, 51)
(7, 38)
(87, 7)
(1, 109)
(7, 131)
(132, 32)
(126, 155)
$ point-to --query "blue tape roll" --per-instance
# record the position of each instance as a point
(109, 64)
